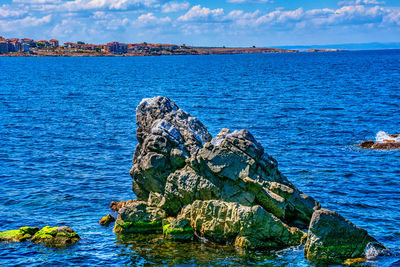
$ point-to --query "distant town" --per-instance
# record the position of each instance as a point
(52, 47)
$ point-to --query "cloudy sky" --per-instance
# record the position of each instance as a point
(206, 22)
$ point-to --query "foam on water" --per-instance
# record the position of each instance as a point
(382, 136)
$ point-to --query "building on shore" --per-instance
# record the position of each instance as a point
(117, 48)
(29, 42)
(3, 47)
(54, 43)
(14, 46)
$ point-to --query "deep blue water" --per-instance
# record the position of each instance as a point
(67, 137)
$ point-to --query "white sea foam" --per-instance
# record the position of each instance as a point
(381, 136)
(371, 252)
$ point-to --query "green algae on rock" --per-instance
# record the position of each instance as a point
(55, 236)
(333, 239)
(179, 230)
(22, 234)
(106, 220)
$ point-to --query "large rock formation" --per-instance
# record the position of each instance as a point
(224, 188)
(332, 238)
(177, 162)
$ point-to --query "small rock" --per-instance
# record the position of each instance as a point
(22, 234)
(116, 206)
(138, 217)
(367, 144)
(178, 230)
(106, 220)
(333, 239)
(56, 236)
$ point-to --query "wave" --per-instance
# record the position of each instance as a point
(382, 137)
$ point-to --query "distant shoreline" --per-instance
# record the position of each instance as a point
(191, 51)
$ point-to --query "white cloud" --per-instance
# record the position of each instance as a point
(174, 7)
(27, 22)
(360, 2)
(249, 1)
(203, 14)
(150, 20)
(7, 12)
(38, 1)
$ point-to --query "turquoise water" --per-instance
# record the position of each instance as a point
(67, 137)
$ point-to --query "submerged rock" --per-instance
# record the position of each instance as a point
(106, 220)
(333, 239)
(250, 227)
(138, 217)
(22, 234)
(56, 236)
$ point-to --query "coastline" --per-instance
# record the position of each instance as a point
(191, 51)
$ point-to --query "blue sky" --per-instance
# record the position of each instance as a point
(204, 23)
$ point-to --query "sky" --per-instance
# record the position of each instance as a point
(234, 23)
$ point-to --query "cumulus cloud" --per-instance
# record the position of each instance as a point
(249, 1)
(7, 12)
(174, 7)
(150, 20)
(360, 2)
(203, 14)
(27, 22)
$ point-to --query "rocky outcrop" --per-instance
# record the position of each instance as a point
(383, 145)
(251, 227)
(177, 162)
(224, 189)
(333, 239)
(20, 235)
(55, 236)
(49, 236)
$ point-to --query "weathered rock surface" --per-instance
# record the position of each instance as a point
(332, 238)
(225, 189)
(22, 234)
(107, 220)
(250, 227)
(177, 162)
(138, 217)
(56, 236)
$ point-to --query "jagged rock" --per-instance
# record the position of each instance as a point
(227, 187)
(56, 236)
(333, 239)
(179, 229)
(138, 217)
(177, 162)
(250, 227)
(106, 220)
(22, 234)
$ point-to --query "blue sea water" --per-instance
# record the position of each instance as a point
(67, 137)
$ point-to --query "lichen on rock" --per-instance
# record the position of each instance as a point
(107, 220)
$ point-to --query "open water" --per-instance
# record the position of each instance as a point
(67, 137)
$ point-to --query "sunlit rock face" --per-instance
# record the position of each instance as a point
(224, 189)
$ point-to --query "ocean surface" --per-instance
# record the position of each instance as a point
(68, 134)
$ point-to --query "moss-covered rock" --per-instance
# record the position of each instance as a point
(106, 220)
(179, 230)
(333, 239)
(22, 234)
(55, 236)
(137, 227)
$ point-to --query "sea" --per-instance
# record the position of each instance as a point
(68, 134)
